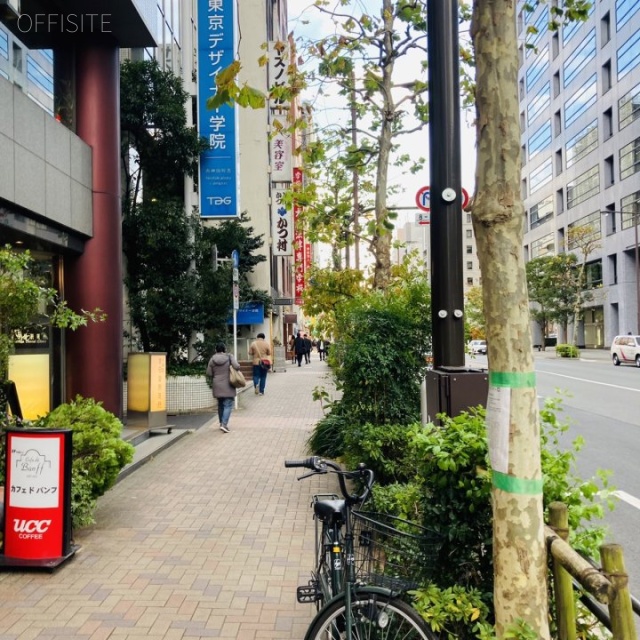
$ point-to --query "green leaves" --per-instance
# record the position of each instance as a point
(27, 300)
(99, 452)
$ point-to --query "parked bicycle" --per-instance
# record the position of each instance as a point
(364, 565)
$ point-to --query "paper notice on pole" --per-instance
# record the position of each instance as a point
(498, 413)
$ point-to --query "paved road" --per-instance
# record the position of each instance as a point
(209, 540)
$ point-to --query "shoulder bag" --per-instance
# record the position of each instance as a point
(236, 378)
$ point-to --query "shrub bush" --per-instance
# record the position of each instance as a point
(443, 481)
(567, 351)
(99, 453)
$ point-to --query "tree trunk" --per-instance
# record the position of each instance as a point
(512, 411)
(382, 237)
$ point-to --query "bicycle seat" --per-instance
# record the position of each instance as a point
(330, 510)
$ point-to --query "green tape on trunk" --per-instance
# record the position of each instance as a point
(511, 484)
(512, 380)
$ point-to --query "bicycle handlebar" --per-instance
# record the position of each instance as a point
(317, 465)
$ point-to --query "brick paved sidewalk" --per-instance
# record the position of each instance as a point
(208, 540)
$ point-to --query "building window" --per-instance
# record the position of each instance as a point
(469, 233)
(540, 140)
(630, 206)
(543, 247)
(468, 218)
(609, 175)
(4, 45)
(613, 268)
(592, 226)
(580, 101)
(610, 219)
(541, 212)
(582, 144)
(539, 103)
(541, 176)
(583, 187)
(606, 76)
(535, 71)
(556, 84)
(605, 29)
(469, 266)
(607, 123)
(593, 274)
(37, 75)
(630, 159)
(470, 282)
(560, 201)
(469, 248)
(629, 107)
(628, 55)
(558, 162)
(579, 59)
(557, 123)
(555, 46)
(537, 30)
(624, 12)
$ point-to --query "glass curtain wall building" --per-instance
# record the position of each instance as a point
(579, 90)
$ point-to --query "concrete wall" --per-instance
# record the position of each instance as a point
(45, 167)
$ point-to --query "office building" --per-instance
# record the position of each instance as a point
(60, 183)
(579, 90)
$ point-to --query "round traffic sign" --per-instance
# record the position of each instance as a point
(423, 198)
(465, 198)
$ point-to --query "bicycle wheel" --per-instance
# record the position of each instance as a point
(374, 616)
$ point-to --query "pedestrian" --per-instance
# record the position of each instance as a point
(292, 348)
(307, 349)
(218, 370)
(261, 354)
(299, 348)
(321, 348)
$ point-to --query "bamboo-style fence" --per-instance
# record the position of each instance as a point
(608, 586)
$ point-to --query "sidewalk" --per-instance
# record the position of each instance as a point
(208, 540)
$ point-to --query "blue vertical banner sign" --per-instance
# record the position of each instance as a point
(219, 164)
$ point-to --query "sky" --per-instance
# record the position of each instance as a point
(306, 20)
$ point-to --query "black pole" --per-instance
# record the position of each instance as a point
(445, 194)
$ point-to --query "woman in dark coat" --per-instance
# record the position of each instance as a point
(218, 369)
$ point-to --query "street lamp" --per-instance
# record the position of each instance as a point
(636, 251)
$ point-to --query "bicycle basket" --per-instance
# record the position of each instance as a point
(391, 552)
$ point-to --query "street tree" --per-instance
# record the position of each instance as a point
(326, 201)
(374, 47)
(520, 593)
(173, 291)
(157, 147)
(474, 313)
(586, 239)
(552, 289)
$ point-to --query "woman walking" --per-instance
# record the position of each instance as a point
(218, 369)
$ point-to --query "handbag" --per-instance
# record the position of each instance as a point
(265, 364)
(236, 379)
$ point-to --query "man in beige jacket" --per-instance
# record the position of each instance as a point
(260, 351)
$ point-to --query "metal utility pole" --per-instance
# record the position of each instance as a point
(451, 388)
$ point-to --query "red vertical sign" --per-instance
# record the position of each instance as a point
(298, 252)
(34, 495)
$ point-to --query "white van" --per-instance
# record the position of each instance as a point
(626, 349)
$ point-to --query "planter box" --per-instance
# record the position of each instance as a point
(186, 394)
